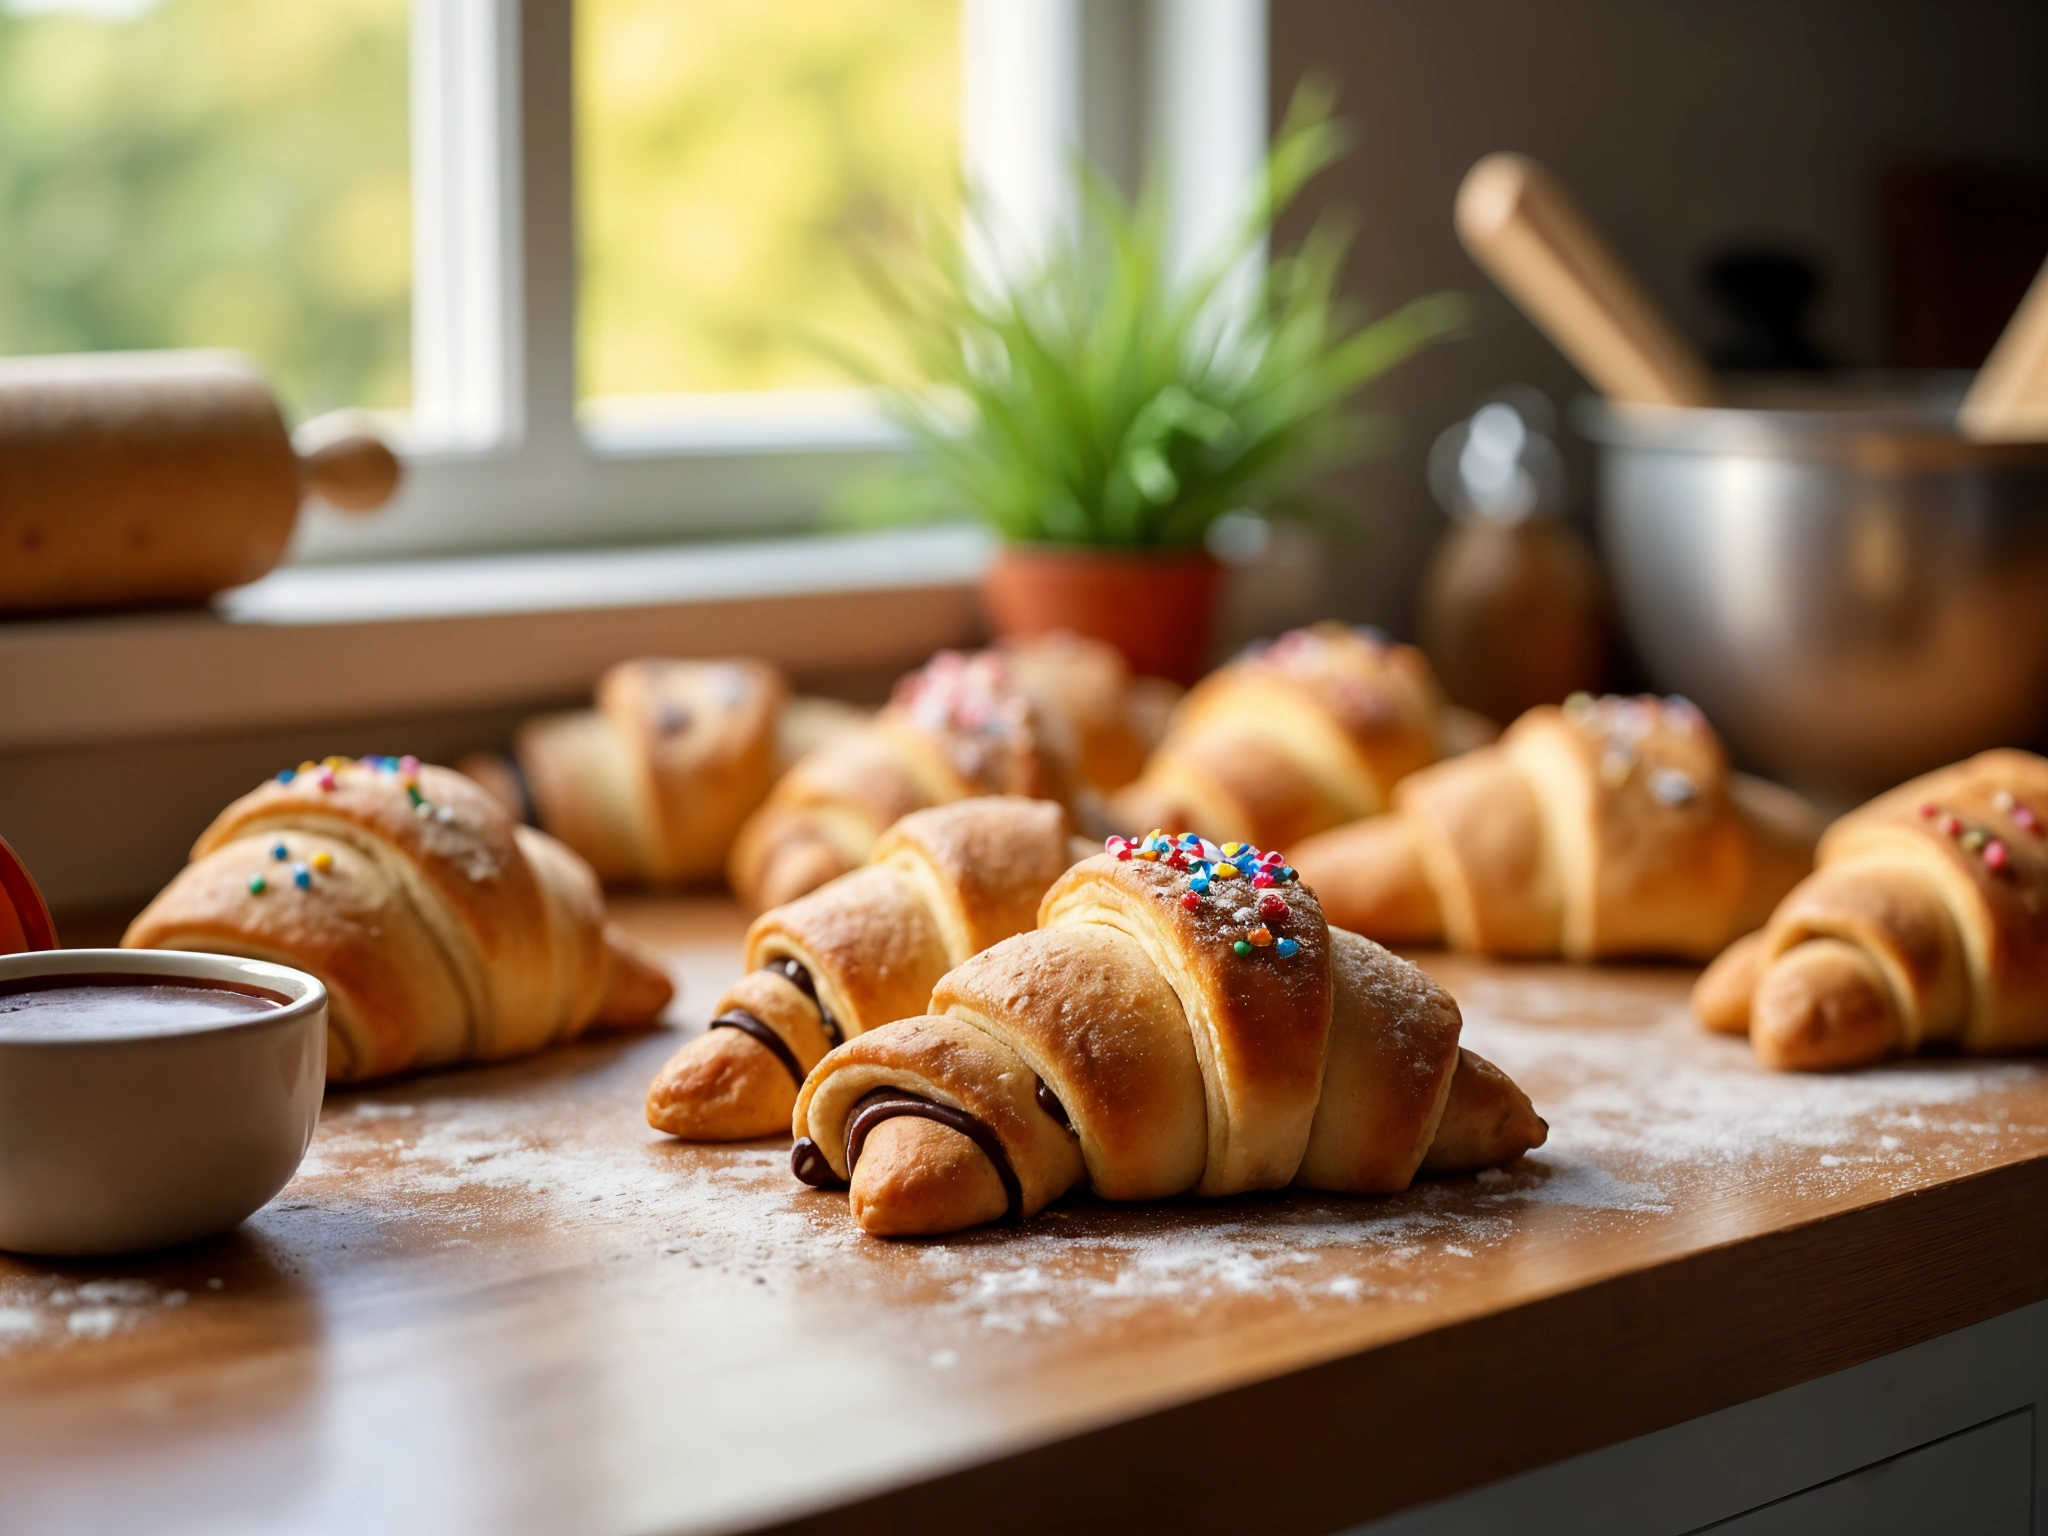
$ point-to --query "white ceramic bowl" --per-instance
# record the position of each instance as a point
(117, 1143)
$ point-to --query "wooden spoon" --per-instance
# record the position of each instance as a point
(2008, 402)
(1519, 225)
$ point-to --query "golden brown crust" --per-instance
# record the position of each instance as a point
(948, 882)
(704, 740)
(726, 1085)
(957, 727)
(1393, 1052)
(1926, 922)
(1947, 824)
(1651, 852)
(1487, 1120)
(444, 931)
(983, 865)
(870, 942)
(1720, 998)
(952, 1063)
(1090, 1015)
(1259, 1021)
(394, 1004)
(1370, 878)
(916, 1178)
(722, 1086)
(1301, 735)
(652, 785)
(576, 772)
(1134, 1041)
(1480, 836)
(453, 850)
(637, 986)
(1604, 829)
(1823, 1005)
(1080, 691)
(580, 958)
(1892, 910)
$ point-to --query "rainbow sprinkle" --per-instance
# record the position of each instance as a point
(1206, 863)
(258, 885)
(302, 877)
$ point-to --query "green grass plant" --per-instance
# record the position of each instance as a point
(1092, 399)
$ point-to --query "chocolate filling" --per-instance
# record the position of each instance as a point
(801, 979)
(1050, 1103)
(808, 1163)
(762, 1035)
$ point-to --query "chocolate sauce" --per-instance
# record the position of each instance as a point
(114, 1005)
(800, 978)
(763, 1036)
(892, 1103)
(1050, 1103)
(808, 1163)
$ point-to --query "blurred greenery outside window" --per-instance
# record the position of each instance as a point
(235, 173)
(731, 156)
(212, 173)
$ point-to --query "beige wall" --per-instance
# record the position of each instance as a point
(1679, 126)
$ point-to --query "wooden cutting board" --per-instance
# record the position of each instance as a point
(493, 1300)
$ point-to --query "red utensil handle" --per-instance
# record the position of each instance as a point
(25, 924)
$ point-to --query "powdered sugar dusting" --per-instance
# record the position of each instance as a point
(546, 1166)
(51, 1309)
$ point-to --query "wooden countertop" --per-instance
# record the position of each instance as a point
(494, 1300)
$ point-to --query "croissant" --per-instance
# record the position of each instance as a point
(1609, 827)
(1926, 925)
(651, 786)
(1306, 733)
(443, 931)
(942, 885)
(1100, 721)
(957, 727)
(1182, 1019)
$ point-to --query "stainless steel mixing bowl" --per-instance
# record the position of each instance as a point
(1852, 591)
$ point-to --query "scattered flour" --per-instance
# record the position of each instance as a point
(44, 1308)
(1641, 1117)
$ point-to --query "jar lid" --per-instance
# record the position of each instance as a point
(24, 915)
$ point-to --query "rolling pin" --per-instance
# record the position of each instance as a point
(143, 478)
(2008, 400)
(1521, 227)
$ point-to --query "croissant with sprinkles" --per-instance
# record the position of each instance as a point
(1294, 737)
(1610, 827)
(941, 885)
(443, 931)
(1181, 1020)
(1926, 925)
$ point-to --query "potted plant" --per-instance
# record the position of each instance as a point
(1101, 414)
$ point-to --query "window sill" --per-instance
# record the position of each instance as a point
(313, 644)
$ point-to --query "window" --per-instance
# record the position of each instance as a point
(729, 155)
(211, 173)
(629, 219)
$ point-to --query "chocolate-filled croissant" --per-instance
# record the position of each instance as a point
(1607, 828)
(942, 885)
(1925, 926)
(957, 727)
(1182, 1019)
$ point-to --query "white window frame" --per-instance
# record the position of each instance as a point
(499, 456)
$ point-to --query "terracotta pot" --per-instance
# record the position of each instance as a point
(1155, 607)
